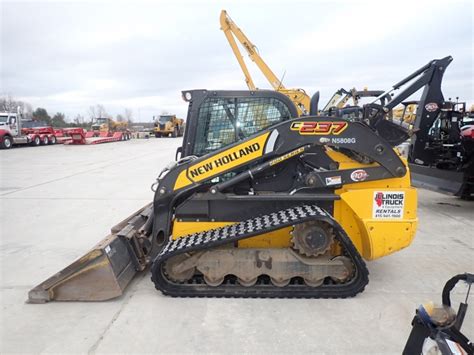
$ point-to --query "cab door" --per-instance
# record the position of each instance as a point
(12, 120)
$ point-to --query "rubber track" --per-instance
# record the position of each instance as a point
(250, 228)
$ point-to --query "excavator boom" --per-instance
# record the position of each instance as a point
(232, 32)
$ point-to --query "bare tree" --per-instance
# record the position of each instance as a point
(79, 120)
(9, 104)
(128, 114)
(92, 112)
(120, 118)
(97, 111)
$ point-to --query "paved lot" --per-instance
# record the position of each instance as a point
(58, 201)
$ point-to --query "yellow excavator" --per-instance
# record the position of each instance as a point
(233, 32)
(299, 97)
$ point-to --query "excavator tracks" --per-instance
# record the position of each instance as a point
(219, 239)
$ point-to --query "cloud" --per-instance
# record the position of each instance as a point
(67, 56)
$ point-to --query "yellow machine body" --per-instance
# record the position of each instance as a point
(108, 125)
(372, 237)
(172, 125)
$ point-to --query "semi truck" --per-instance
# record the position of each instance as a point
(12, 133)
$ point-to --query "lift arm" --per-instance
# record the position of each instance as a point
(231, 31)
(428, 78)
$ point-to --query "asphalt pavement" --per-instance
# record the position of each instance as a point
(57, 201)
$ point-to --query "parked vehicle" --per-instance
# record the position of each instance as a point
(107, 127)
(166, 125)
(13, 133)
(77, 135)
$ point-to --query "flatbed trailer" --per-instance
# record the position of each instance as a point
(46, 134)
(80, 136)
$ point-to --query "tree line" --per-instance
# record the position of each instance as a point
(58, 120)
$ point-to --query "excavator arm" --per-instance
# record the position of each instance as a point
(229, 28)
(233, 32)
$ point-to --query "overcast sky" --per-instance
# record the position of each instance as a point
(67, 56)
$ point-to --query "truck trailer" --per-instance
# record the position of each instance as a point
(12, 133)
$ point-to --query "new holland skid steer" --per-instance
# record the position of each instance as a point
(265, 203)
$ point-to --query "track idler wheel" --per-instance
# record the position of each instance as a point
(176, 270)
(312, 238)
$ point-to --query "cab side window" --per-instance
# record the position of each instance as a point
(223, 121)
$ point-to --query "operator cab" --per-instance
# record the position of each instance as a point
(7, 119)
(217, 119)
(165, 118)
(4, 120)
(101, 120)
(98, 123)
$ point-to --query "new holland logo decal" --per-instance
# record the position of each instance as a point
(319, 128)
(221, 162)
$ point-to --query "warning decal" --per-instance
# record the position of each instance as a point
(388, 204)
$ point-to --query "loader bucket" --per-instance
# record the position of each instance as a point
(101, 274)
(444, 181)
(395, 133)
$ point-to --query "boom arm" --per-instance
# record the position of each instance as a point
(226, 24)
(428, 77)
(231, 31)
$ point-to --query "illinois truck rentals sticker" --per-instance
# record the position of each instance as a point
(388, 204)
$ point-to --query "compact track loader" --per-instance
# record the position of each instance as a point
(266, 203)
(262, 203)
